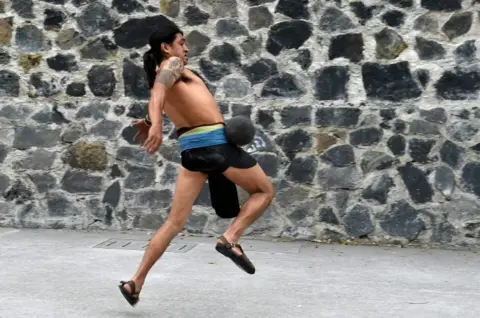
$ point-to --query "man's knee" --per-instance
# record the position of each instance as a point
(268, 190)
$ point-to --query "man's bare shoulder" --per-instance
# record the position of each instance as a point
(170, 71)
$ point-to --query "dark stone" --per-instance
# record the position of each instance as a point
(333, 19)
(39, 159)
(366, 136)
(282, 85)
(101, 80)
(375, 161)
(251, 45)
(106, 128)
(63, 62)
(100, 49)
(137, 110)
(76, 89)
(152, 199)
(422, 127)
(236, 87)
(393, 18)
(458, 24)
(265, 118)
(362, 12)
(294, 142)
(388, 114)
(423, 77)
(213, 71)
(442, 5)
(458, 84)
(302, 169)
(260, 70)
(139, 177)
(392, 82)
(96, 18)
(343, 117)
(4, 150)
(471, 177)
(402, 3)
(225, 53)
(462, 131)
(476, 148)
(4, 183)
(444, 233)
(75, 181)
(379, 189)
(62, 2)
(18, 192)
(296, 115)
(112, 195)
(241, 110)
(195, 16)
(30, 39)
(261, 143)
(128, 133)
(390, 44)
(304, 59)
(197, 43)
(402, 221)
(115, 172)
(44, 85)
(119, 110)
(269, 164)
(44, 182)
(339, 156)
(259, 17)
(288, 35)
(230, 28)
(331, 83)
(50, 115)
(435, 115)
(135, 81)
(27, 137)
(295, 9)
(93, 110)
(346, 178)
(429, 50)
(59, 205)
(467, 51)
(349, 46)
(452, 154)
(126, 6)
(54, 19)
(419, 149)
(416, 183)
(72, 133)
(445, 181)
(426, 23)
(134, 33)
(258, 2)
(23, 8)
(135, 155)
(357, 221)
(4, 57)
(9, 84)
(79, 3)
(327, 215)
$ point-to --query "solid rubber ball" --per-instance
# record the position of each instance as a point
(240, 130)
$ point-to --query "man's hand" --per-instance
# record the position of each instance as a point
(155, 138)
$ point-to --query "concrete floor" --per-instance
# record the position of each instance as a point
(63, 275)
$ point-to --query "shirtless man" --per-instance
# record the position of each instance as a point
(186, 100)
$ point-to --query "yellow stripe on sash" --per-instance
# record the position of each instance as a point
(202, 130)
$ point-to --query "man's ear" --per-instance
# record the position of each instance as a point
(164, 48)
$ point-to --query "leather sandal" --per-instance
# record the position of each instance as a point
(242, 261)
(133, 297)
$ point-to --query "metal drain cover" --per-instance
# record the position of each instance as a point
(137, 245)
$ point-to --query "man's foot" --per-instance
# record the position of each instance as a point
(235, 253)
(130, 291)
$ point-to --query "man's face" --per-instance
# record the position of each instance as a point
(179, 48)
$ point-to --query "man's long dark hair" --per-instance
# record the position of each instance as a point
(166, 33)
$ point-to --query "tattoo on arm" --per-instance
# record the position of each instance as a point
(171, 72)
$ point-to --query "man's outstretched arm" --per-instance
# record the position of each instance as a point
(166, 77)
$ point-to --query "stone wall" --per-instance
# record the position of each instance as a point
(367, 114)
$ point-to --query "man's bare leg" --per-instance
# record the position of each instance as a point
(189, 185)
(261, 191)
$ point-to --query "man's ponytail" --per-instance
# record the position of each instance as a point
(150, 67)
